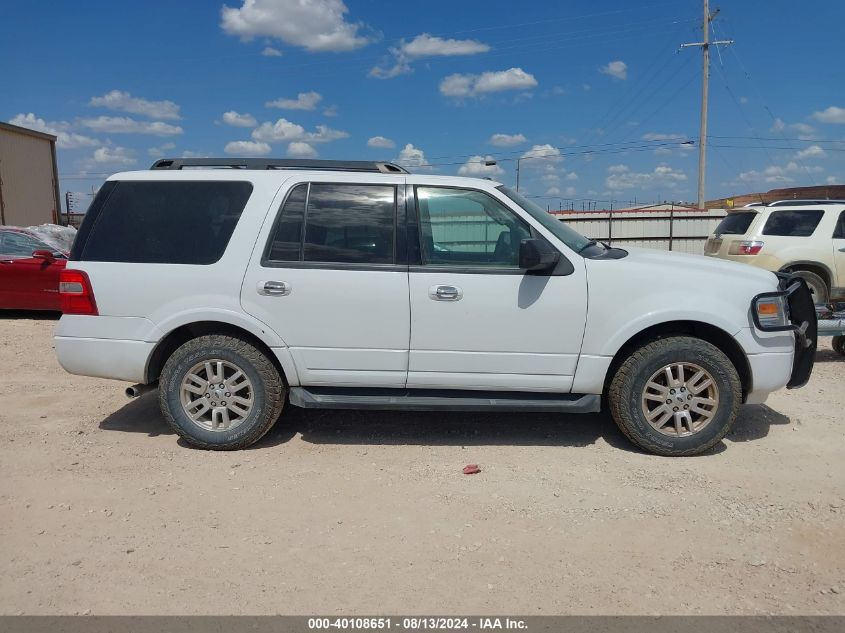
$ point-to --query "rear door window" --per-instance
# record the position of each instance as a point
(793, 222)
(343, 223)
(736, 223)
(165, 222)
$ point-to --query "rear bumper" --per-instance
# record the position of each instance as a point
(119, 359)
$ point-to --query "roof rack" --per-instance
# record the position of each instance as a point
(798, 203)
(280, 163)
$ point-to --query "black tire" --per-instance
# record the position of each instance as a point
(817, 285)
(267, 385)
(629, 381)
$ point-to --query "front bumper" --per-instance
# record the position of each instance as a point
(802, 322)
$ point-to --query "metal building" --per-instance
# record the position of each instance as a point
(29, 180)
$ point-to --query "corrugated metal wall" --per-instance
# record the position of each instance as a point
(26, 170)
(677, 230)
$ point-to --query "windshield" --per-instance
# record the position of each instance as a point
(735, 223)
(572, 238)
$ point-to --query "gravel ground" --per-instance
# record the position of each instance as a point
(104, 511)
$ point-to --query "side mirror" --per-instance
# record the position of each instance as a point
(47, 256)
(537, 255)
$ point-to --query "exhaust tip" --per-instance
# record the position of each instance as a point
(139, 390)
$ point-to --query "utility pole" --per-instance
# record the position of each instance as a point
(705, 86)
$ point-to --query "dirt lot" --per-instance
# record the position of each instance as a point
(103, 511)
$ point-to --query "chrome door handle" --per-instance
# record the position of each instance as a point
(274, 288)
(445, 293)
(842, 250)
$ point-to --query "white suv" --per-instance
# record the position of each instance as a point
(804, 237)
(358, 285)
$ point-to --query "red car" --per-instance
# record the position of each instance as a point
(30, 262)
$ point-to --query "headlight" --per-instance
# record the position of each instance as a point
(770, 312)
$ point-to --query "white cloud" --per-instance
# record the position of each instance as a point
(475, 167)
(161, 150)
(572, 176)
(425, 45)
(298, 149)
(617, 69)
(331, 111)
(239, 120)
(778, 173)
(315, 25)
(458, 85)
(194, 154)
(281, 130)
(114, 155)
(269, 51)
(804, 131)
(381, 142)
(830, 180)
(285, 131)
(621, 177)
(543, 154)
(656, 136)
(413, 157)
(60, 129)
(832, 114)
(122, 101)
(569, 191)
(325, 134)
(247, 148)
(552, 191)
(813, 151)
(303, 101)
(127, 125)
(506, 140)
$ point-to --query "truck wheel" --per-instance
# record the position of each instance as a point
(817, 285)
(221, 393)
(675, 396)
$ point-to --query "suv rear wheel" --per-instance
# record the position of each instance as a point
(219, 392)
(817, 285)
(675, 396)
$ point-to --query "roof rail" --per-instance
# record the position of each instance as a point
(280, 163)
(798, 203)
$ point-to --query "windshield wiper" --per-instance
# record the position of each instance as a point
(588, 245)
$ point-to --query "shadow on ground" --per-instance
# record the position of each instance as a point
(29, 315)
(398, 428)
(827, 355)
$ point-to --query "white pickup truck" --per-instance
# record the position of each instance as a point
(358, 285)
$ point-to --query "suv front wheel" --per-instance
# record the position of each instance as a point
(675, 396)
(220, 392)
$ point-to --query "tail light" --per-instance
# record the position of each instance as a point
(745, 248)
(75, 293)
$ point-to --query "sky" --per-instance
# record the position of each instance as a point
(592, 102)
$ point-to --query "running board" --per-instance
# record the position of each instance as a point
(441, 400)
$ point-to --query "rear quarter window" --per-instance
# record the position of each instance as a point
(793, 222)
(164, 222)
(736, 223)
